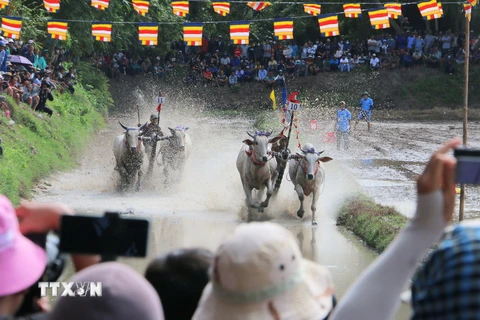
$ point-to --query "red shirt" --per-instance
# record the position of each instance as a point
(237, 52)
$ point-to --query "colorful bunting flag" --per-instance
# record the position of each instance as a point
(440, 8)
(141, 6)
(352, 10)
(240, 32)
(11, 27)
(180, 8)
(148, 33)
(429, 10)
(468, 11)
(102, 31)
(222, 8)
(4, 3)
(473, 2)
(283, 28)
(192, 33)
(258, 6)
(57, 29)
(328, 24)
(52, 5)
(100, 4)
(312, 8)
(379, 18)
(394, 10)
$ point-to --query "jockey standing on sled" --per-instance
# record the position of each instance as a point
(152, 129)
(366, 103)
(283, 153)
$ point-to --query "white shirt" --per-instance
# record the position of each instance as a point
(344, 61)
(374, 61)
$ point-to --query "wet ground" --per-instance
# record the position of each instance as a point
(208, 201)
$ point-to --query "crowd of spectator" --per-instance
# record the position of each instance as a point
(30, 78)
(221, 63)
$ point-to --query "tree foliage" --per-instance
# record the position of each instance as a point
(125, 34)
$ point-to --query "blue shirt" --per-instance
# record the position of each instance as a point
(343, 117)
(366, 104)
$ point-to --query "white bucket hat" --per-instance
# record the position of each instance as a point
(259, 273)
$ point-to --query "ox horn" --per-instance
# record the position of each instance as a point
(123, 126)
(143, 127)
(252, 136)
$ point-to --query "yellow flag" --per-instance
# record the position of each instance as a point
(272, 97)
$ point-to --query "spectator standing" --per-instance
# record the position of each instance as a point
(267, 52)
(366, 105)
(41, 62)
(446, 43)
(3, 56)
(343, 126)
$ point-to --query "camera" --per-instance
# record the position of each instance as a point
(468, 166)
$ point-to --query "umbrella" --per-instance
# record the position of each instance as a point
(19, 60)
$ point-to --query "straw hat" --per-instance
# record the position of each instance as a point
(259, 273)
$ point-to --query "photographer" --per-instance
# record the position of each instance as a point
(44, 94)
(22, 262)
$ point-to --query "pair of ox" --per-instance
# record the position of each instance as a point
(257, 170)
(129, 153)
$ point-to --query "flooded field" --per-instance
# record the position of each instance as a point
(203, 206)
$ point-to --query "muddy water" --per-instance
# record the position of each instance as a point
(208, 202)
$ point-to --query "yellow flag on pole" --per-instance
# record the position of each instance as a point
(272, 97)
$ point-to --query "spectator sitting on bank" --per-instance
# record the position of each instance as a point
(14, 89)
(179, 278)
(44, 95)
(434, 58)
(248, 74)
(207, 75)
(41, 63)
(29, 97)
(374, 62)
(417, 58)
(270, 80)
(262, 74)
(448, 62)
(344, 64)
(272, 65)
(407, 60)
(333, 62)
(240, 74)
(221, 79)
(232, 80)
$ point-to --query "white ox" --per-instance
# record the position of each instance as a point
(128, 152)
(306, 177)
(176, 152)
(256, 169)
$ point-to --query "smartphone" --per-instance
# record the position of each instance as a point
(468, 166)
(110, 235)
(40, 239)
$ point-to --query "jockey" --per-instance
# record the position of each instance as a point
(153, 127)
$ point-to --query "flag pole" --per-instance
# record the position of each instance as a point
(465, 109)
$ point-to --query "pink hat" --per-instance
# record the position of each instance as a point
(259, 273)
(22, 262)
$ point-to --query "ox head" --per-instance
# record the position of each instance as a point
(132, 136)
(178, 137)
(259, 144)
(311, 159)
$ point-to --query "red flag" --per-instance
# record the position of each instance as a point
(293, 97)
(159, 107)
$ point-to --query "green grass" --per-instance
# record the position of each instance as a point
(34, 147)
(375, 224)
